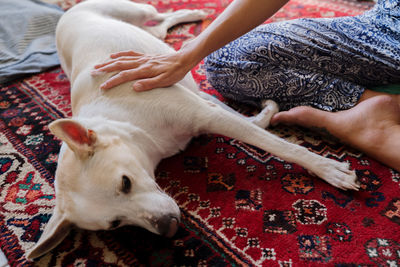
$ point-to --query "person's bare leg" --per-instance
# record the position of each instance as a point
(372, 126)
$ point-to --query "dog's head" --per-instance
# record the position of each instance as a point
(104, 181)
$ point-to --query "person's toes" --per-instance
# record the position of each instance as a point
(297, 115)
(280, 117)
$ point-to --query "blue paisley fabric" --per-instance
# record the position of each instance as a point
(326, 63)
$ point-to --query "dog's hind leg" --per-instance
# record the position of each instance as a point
(167, 20)
(139, 14)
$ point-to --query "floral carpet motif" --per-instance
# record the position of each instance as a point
(240, 205)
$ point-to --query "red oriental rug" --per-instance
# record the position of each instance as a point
(240, 206)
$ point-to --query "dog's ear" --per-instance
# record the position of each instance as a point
(77, 137)
(55, 231)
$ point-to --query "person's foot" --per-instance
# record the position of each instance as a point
(372, 126)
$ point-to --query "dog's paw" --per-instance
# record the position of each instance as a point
(338, 174)
(198, 14)
(271, 105)
(190, 15)
(262, 119)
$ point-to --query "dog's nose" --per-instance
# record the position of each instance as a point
(167, 225)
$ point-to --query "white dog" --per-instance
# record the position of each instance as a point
(111, 146)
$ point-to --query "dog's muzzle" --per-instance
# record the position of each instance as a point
(167, 225)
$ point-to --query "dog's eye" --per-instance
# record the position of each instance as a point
(115, 224)
(126, 184)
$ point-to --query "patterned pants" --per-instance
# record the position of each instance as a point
(326, 63)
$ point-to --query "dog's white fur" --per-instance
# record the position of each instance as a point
(105, 173)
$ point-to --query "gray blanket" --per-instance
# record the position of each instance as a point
(27, 43)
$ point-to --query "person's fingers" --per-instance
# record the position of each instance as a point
(150, 83)
(124, 54)
(143, 72)
(119, 78)
(280, 117)
(148, 71)
(117, 66)
(99, 66)
(132, 59)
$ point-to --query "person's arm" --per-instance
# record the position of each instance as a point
(150, 72)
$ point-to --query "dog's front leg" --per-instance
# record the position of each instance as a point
(221, 121)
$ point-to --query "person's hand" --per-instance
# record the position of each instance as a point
(148, 71)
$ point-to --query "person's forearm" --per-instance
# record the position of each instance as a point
(237, 19)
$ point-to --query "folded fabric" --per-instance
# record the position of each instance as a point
(27, 37)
